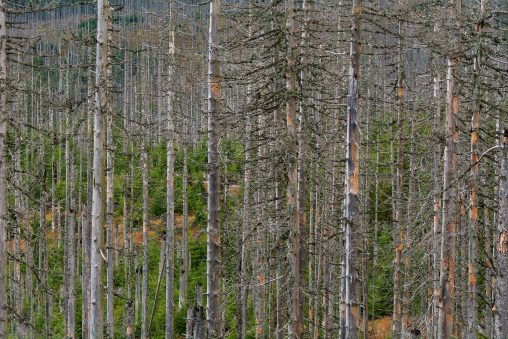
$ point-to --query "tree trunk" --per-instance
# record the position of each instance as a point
(3, 172)
(131, 302)
(170, 189)
(351, 285)
(43, 254)
(405, 322)
(70, 232)
(399, 185)
(144, 269)
(436, 189)
(198, 330)
(184, 266)
(472, 325)
(96, 321)
(17, 300)
(87, 219)
(127, 212)
(110, 322)
(260, 286)
(448, 230)
(244, 288)
(214, 304)
(296, 279)
(501, 257)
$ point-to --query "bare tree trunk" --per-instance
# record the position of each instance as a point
(296, 303)
(214, 304)
(366, 209)
(198, 330)
(448, 236)
(162, 267)
(170, 189)
(127, 212)
(436, 228)
(87, 219)
(43, 255)
(399, 184)
(96, 321)
(260, 267)
(375, 249)
(110, 225)
(17, 301)
(472, 325)
(144, 269)
(488, 273)
(501, 258)
(243, 288)
(130, 303)
(351, 285)
(3, 172)
(405, 325)
(70, 232)
(184, 266)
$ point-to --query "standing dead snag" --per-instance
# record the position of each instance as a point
(3, 172)
(213, 271)
(110, 307)
(501, 314)
(96, 319)
(472, 323)
(144, 283)
(296, 248)
(350, 309)
(170, 188)
(436, 192)
(449, 223)
(397, 203)
(447, 270)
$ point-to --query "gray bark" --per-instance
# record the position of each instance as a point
(3, 172)
(448, 236)
(243, 293)
(184, 266)
(96, 321)
(350, 290)
(501, 256)
(70, 234)
(144, 283)
(436, 189)
(296, 279)
(398, 227)
(472, 324)
(214, 276)
(110, 322)
(86, 220)
(170, 189)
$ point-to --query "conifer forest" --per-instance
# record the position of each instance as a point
(254, 169)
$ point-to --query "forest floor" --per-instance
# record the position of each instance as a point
(381, 328)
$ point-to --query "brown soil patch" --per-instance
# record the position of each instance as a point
(137, 236)
(381, 328)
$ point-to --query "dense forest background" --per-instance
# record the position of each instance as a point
(254, 169)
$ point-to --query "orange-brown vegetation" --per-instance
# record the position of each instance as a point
(381, 328)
